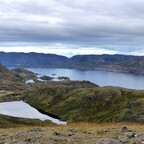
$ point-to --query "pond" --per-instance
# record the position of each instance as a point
(23, 110)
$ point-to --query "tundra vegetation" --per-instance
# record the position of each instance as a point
(94, 114)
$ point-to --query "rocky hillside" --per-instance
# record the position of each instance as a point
(6, 74)
(23, 73)
(14, 79)
(81, 133)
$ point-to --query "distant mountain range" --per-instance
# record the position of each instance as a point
(119, 63)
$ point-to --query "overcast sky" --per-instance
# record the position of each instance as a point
(72, 27)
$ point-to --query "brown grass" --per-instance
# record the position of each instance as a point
(83, 127)
(83, 132)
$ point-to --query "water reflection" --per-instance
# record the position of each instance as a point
(24, 110)
(102, 78)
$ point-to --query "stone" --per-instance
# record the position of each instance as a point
(130, 134)
(57, 134)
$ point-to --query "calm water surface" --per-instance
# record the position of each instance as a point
(102, 78)
(24, 110)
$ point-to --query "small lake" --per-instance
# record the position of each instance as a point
(102, 78)
(24, 110)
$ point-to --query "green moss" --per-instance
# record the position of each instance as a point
(7, 121)
(75, 101)
(89, 104)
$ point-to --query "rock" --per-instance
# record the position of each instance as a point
(57, 134)
(70, 134)
(114, 141)
(123, 139)
(140, 137)
(137, 142)
(109, 141)
(130, 134)
(28, 140)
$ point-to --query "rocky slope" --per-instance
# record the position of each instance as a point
(81, 133)
(7, 75)
(8, 80)
(23, 73)
(14, 79)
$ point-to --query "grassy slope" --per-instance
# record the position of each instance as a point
(8, 121)
(89, 103)
(75, 101)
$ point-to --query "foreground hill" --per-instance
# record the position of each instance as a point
(120, 63)
(82, 101)
(77, 103)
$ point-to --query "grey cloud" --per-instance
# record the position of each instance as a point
(112, 24)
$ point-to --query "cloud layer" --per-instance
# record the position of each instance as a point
(78, 26)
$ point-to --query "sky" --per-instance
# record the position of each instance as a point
(74, 27)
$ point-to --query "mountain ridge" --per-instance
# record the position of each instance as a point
(118, 63)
